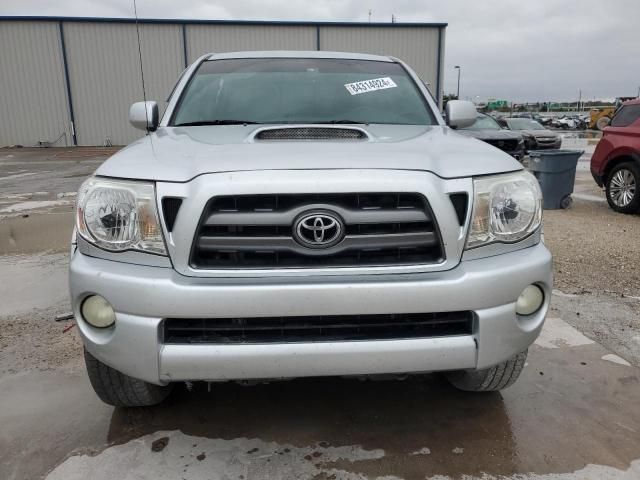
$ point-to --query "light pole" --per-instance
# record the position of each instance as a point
(457, 67)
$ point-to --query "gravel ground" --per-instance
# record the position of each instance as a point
(595, 249)
(597, 269)
(34, 341)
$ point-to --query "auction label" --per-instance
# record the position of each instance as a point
(370, 85)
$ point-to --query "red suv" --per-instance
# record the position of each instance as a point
(615, 164)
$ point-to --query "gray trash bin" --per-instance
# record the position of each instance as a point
(556, 173)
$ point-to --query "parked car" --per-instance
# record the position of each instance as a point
(570, 122)
(297, 214)
(487, 129)
(536, 137)
(529, 115)
(615, 164)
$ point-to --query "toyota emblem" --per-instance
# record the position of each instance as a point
(319, 229)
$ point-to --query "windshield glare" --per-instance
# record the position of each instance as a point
(523, 124)
(301, 90)
(484, 122)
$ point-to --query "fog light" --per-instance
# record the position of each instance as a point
(530, 300)
(97, 312)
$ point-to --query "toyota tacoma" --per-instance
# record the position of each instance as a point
(299, 214)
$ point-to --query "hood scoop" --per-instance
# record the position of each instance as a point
(311, 133)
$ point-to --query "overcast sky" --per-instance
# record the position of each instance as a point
(518, 50)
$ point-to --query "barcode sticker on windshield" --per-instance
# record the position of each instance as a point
(370, 85)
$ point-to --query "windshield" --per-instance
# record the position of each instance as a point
(523, 124)
(484, 122)
(301, 90)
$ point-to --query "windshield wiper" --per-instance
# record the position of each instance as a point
(216, 122)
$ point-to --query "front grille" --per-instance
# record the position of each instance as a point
(506, 145)
(257, 231)
(311, 133)
(315, 328)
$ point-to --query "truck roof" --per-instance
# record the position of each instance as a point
(299, 54)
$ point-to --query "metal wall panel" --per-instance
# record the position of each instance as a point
(417, 46)
(104, 71)
(203, 39)
(33, 101)
(104, 68)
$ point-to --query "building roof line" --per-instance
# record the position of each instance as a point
(217, 22)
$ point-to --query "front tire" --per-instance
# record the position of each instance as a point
(622, 185)
(120, 390)
(491, 379)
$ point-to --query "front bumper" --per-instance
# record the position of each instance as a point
(142, 296)
(599, 179)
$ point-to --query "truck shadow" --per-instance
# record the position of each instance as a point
(568, 409)
(463, 432)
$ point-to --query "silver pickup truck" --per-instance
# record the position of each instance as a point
(297, 214)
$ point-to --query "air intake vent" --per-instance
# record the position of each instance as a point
(311, 133)
(170, 207)
(332, 328)
(460, 202)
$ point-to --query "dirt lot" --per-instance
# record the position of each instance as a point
(580, 387)
(595, 249)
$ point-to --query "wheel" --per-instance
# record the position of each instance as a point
(120, 390)
(603, 122)
(622, 188)
(492, 379)
(566, 202)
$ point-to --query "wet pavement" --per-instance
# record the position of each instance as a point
(570, 409)
(574, 413)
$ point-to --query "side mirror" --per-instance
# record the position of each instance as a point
(460, 113)
(144, 116)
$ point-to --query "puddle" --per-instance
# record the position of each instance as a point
(44, 416)
(410, 429)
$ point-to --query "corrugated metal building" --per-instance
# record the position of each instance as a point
(70, 81)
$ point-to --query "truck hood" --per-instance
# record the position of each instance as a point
(179, 154)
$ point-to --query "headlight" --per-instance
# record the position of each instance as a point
(119, 215)
(506, 208)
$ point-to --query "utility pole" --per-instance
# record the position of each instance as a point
(457, 67)
(579, 101)
(370, 12)
(393, 18)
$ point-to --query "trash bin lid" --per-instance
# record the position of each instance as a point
(555, 153)
(554, 161)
